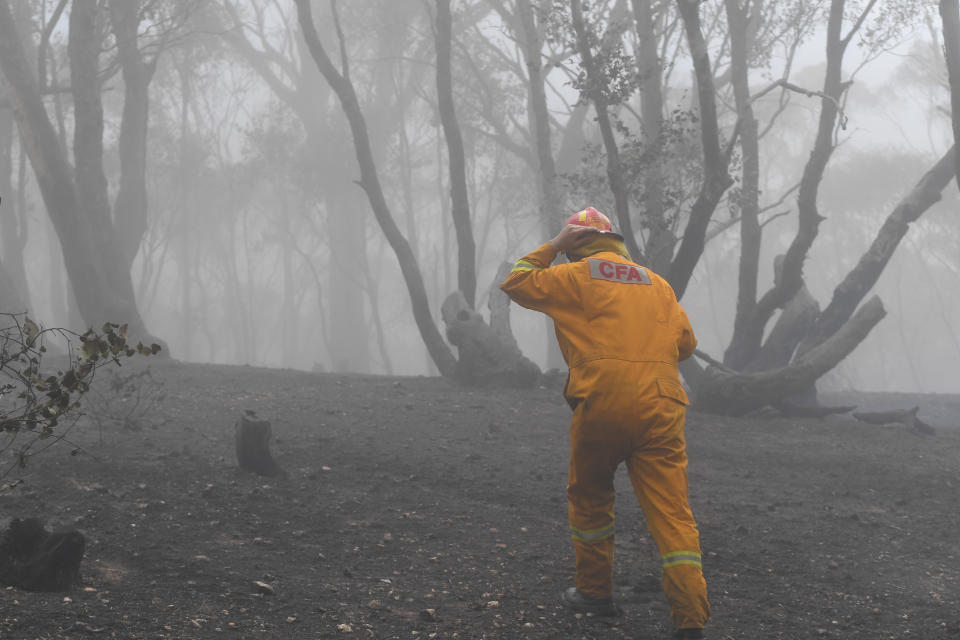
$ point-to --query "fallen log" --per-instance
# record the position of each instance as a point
(907, 417)
(792, 410)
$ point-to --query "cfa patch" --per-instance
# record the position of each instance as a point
(617, 272)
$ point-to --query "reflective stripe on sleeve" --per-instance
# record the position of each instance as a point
(523, 265)
(677, 558)
(592, 535)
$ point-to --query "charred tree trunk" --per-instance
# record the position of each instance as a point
(715, 176)
(130, 207)
(950, 15)
(808, 216)
(460, 209)
(660, 244)
(743, 345)
(594, 92)
(370, 182)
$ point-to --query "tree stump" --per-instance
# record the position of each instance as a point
(34, 559)
(486, 358)
(252, 438)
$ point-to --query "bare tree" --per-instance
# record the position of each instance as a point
(130, 206)
(460, 208)
(79, 211)
(370, 182)
(950, 15)
(595, 90)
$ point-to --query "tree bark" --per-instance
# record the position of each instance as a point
(950, 16)
(370, 182)
(791, 326)
(594, 93)
(460, 206)
(715, 176)
(130, 206)
(745, 343)
(661, 241)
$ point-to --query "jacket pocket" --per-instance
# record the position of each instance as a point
(672, 389)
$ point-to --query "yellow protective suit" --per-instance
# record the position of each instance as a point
(622, 332)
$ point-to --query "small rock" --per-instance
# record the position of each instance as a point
(263, 587)
(345, 628)
(428, 615)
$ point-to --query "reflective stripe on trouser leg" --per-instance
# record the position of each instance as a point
(594, 567)
(590, 496)
(685, 588)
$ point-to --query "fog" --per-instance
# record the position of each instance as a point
(259, 245)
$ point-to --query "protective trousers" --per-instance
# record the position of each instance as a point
(645, 432)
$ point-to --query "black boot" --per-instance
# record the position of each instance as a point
(576, 601)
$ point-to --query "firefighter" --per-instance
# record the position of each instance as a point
(622, 333)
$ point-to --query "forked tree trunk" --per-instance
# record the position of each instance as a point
(861, 278)
(103, 288)
(800, 318)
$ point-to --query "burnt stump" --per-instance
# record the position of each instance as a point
(34, 559)
(252, 437)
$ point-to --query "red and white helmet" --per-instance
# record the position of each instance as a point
(590, 217)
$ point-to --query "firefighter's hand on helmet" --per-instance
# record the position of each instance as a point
(572, 237)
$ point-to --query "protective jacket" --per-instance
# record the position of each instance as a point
(622, 333)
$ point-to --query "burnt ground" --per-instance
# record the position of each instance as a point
(415, 509)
